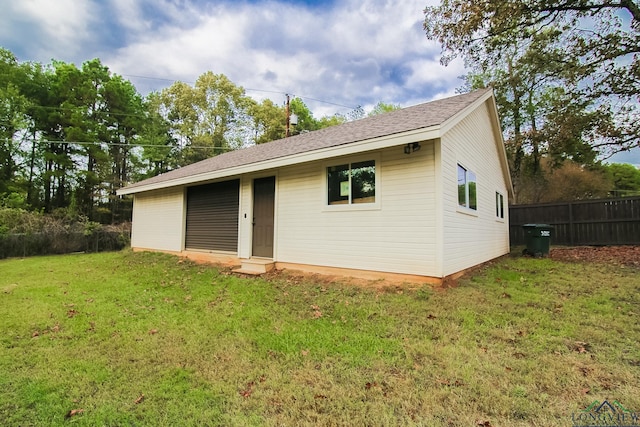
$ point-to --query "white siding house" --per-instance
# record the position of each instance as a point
(421, 191)
(473, 236)
(159, 220)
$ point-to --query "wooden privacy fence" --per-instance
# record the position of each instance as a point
(587, 222)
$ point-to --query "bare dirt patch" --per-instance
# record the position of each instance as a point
(297, 277)
(617, 255)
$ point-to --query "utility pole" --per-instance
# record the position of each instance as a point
(288, 111)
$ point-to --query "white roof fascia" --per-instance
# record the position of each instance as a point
(502, 149)
(418, 135)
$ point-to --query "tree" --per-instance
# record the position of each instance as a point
(38, 89)
(86, 128)
(62, 115)
(381, 108)
(83, 122)
(599, 47)
(160, 150)
(208, 119)
(573, 181)
(566, 182)
(529, 90)
(269, 121)
(625, 178)
(71, 141)
(69, 137)
(328, 121)
(13, 119)
(124, 119)
(306, 121)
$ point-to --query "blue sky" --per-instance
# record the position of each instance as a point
(349, 52)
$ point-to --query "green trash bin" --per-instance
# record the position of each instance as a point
(537, 238)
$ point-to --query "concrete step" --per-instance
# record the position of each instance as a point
(255, 266)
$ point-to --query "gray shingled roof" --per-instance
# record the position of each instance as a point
(407, 119)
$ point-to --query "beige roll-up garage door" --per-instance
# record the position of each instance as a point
(212, 216)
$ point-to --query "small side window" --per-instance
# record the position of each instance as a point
(467, 188)
(499, 205)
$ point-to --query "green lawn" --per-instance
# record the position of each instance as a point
(145, 339)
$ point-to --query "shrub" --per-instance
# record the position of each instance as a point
(24, 233)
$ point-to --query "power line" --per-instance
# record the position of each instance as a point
(152, 78)
(326, 102)
(73, 108)
(121, 144)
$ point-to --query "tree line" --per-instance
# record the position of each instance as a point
(71, 136)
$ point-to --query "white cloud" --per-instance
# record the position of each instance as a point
(173, 52)
(130, 16)
(54, 29)
(355, 52)
(386, 29)
(429, 71)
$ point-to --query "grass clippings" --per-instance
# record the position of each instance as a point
(147, 339)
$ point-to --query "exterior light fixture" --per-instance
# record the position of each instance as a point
(411, 147)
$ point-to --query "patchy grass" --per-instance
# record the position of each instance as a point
(145, 339)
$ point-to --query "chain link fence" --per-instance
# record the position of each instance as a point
(24, 234)
(24, 245)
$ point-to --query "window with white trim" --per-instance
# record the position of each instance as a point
(499, 205)
(351, 183)
(467, 188)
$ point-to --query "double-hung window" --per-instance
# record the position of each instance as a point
(467, 188)
(351, 183)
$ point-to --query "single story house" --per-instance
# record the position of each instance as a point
(420, 192)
